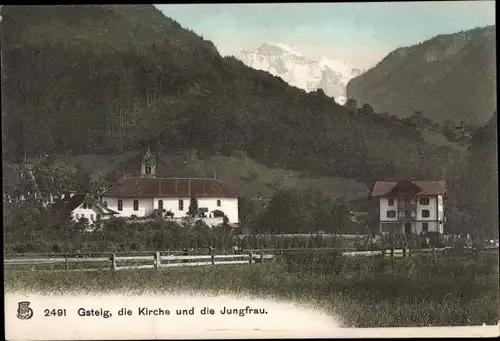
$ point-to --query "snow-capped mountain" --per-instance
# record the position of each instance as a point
(297, 70)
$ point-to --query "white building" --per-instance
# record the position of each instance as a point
(410, 207)
(84, 206)
(141, 196)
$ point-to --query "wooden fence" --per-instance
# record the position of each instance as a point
(169, 259)
(116, 262)
(352, 252)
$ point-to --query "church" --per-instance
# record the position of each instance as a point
(141, 196)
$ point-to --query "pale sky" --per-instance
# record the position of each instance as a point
(358, 33)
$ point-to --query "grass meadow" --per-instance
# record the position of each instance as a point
(359, 292)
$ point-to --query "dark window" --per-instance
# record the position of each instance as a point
(426, 213)
(120, 205)
(105, 204)
(148, 170)
(84, 206)
(136, 205)
(391, 202)
(98, 217)
(391, 214)
(218, 202)
(424, 201)
(407, 214)
(76, 215)
(92, 217)
(160, 204)
(181, 205)
(89, 206)
(425, 227)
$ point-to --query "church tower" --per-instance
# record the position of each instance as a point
(148, 166)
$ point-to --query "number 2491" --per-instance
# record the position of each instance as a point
(55, 312)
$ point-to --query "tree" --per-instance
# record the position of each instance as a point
(245, 208)
(351, 104)
(97, 186)
(285, 213)
(193, 207)
(294, 211)
(82, 180)
(480, 180)
(367, 109)
(320, 92)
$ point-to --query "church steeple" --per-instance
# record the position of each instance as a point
(148, 166)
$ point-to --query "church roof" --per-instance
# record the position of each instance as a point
(138, 187)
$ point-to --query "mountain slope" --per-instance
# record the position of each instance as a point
(107, 79)
(287, 63)
(448, 77)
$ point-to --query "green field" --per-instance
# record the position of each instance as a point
(361, 293)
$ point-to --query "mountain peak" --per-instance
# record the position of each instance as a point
(283, 47)
(297, 70)
(335, 65)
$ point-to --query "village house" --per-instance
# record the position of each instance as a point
(410, 207)
(143, 195)
(84, 206)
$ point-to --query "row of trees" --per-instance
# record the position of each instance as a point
(456, 132)
(42, 180)
(306, 211)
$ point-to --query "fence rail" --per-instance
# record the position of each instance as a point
(156, 261)
(169, 259)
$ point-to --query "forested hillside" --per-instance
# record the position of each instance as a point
(102, 79)
(449, 77)
(477, 189)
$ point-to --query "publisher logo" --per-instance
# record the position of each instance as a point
(24, 312)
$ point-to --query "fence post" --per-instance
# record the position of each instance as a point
(66, 263)
(250, 261)
(392, 259)
(261, 257)
(375, 265)
(213, 259)
(113, 261)
(157, 261)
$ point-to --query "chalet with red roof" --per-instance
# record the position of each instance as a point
(142, 195)
(410, 207)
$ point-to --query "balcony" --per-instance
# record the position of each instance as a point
(407, 214)
(407, 206)
(405, 218)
